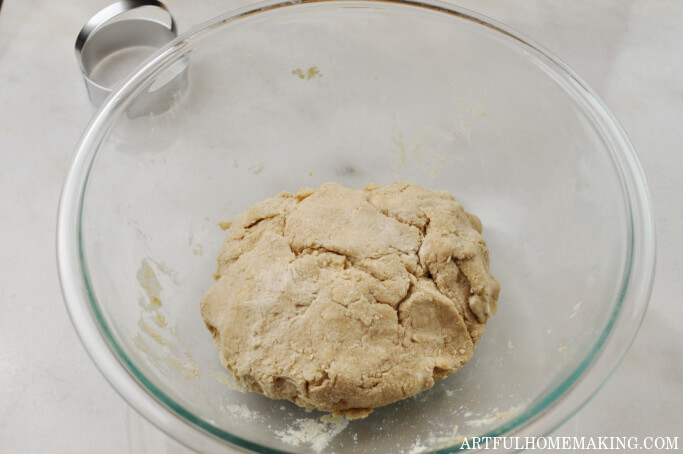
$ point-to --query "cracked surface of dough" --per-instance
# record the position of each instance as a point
(345, 300)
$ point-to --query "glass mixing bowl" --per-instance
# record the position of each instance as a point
(284, 95)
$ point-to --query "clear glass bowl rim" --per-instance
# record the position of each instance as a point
(191, 430)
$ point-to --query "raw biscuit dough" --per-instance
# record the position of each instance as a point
(345, 300)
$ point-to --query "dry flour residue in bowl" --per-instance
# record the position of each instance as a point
(316, 432)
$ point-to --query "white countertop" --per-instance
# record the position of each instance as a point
(52, 399)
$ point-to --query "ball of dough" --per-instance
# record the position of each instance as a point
(344, 300)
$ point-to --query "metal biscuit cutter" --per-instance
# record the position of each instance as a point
(109, 33)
